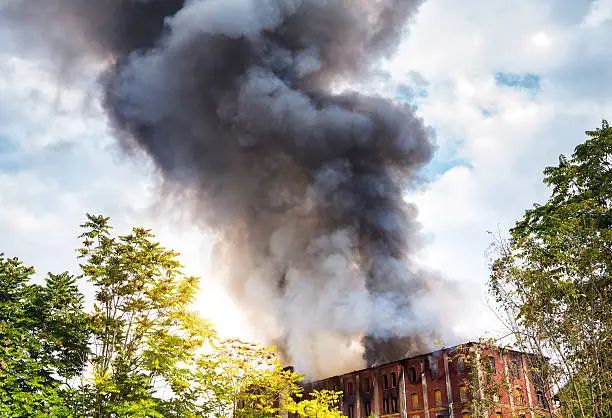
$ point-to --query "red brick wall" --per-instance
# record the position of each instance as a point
(392, 391)
(436, 382)
(416, 388)
(457, 379)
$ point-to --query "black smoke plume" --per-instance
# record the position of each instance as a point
(238, 104)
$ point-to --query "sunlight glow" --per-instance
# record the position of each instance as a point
(541, 40)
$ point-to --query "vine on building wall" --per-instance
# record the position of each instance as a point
(483, 388)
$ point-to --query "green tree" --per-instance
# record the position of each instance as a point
(319, 404)
(141, 352)
(43, 341)
(153, 356)
(245, 380)
(146, 338)
(553, 277)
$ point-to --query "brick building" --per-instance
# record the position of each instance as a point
(437, 385)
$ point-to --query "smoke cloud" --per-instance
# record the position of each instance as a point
(237, 104)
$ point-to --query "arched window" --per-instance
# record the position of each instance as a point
(492, 365)
(518, 396)
(461, 365)
(438, 397)
(366, 384)
(434, 369)
(412, 375)
(463, 394)
(541, 399)
(350, 389)
(414, 399)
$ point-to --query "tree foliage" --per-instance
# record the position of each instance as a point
(246, 380)
(43, 341)
(145, 336)
(142, 351)
(319, 404)
(553, 276)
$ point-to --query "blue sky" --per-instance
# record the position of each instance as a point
(524, 81)
(506, 86)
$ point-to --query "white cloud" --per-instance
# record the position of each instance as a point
(58, 162)
(542, 40)
(601, 11)
(507, 135)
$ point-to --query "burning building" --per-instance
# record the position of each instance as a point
(451, 382)
(238, 106)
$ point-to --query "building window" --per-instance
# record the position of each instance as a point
(393, 405)
(536, 380)
(438, 397)
(465, 415)
(393, 380)
(366, 384)
(412, 375)
(492, 365)
(350, 411)
(433, 369)
(385, 382)
(518, 396)
(541, 399)
(515, 368)
(385, 406)
(367, 408)
(498, 414)
(349, 388)
(463, 394)
(414, 399)
(461, 365)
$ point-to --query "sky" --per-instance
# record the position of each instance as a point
(504, 86)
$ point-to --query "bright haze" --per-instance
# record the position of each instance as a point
(237, 105)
